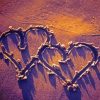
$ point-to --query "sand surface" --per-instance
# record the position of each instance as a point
(70, 20)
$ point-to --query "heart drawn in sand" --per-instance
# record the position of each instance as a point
(51, 44)
(20, 38)
(55, 69)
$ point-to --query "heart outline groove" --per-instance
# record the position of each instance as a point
(22, 73)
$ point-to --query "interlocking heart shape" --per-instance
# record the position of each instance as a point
(49, 43)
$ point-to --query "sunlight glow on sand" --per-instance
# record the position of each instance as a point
(72, 25)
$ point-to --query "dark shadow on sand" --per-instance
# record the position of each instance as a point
(27, 87)
(73, 95)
